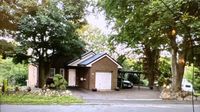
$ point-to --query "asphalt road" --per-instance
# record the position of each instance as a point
(101, 108)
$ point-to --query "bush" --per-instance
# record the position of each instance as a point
(18, 79)
(15, 73)
(59, 82)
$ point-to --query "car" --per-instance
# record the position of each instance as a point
(187, 86)
(125, 84)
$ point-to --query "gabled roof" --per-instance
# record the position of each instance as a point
(88, 62)
(91, 59)
(83, 57)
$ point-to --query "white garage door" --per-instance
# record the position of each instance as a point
(103, 80)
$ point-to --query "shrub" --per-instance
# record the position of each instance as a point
(59, 82)
(18, 79)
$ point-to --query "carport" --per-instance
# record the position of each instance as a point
(121, 75)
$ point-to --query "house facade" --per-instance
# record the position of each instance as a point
(90, 71)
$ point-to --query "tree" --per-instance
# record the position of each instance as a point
(49, 32)
(95, 40)
(176, 19)
(6, 48)
(12, 10)
(133, 29)
(155, 23)
(15, 73)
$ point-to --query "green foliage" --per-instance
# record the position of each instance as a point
(49, 32)
(20, 58)
(151, 22)
(121, 59)
(189, 74)
(131, 64)
(165, 71)
(15, 73)
(5, 85)
(18, 79)
(19, 8)
(6, 48)
(95, 40)
(165, 67)
(59, 82)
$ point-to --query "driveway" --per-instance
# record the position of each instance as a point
(125, 94)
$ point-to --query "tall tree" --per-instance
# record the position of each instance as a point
(175, 20)
(51, 31)
(156, 22)
(133, 29)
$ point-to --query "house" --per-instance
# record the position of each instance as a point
(90, 71)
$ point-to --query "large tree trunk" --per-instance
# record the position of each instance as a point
(174, 65)
(151, 65)
(178, 62)
(43, 72)
(177, 72)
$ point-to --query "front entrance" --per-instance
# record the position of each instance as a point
(103, 80)
(72, 77)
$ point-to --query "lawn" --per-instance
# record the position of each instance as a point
(35, 99)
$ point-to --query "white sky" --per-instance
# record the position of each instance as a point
(98, 19)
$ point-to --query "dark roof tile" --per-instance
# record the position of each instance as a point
(91, 59)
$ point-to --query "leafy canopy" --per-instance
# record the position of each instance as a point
(49, 32)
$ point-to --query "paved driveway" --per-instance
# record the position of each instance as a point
(125, 94)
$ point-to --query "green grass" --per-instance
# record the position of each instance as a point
(33, 99)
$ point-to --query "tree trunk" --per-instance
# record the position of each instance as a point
(42, 76)
(177, 63)
(180, 71)
(174, 69)
(151, 65)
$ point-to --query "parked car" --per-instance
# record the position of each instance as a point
(187, 86)
(125, 84)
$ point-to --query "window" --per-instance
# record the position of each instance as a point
(62, 72)
(52, 72)
(187, 86)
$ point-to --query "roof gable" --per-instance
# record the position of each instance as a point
(88, 62)
(83, 58)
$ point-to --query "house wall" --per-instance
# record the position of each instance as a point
(103, 65)
(81, 73)
(83, 77)
(32, 75)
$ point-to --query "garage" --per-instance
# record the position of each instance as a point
(94, 72)
(103, 80)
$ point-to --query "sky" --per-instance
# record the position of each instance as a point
(98, 19)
